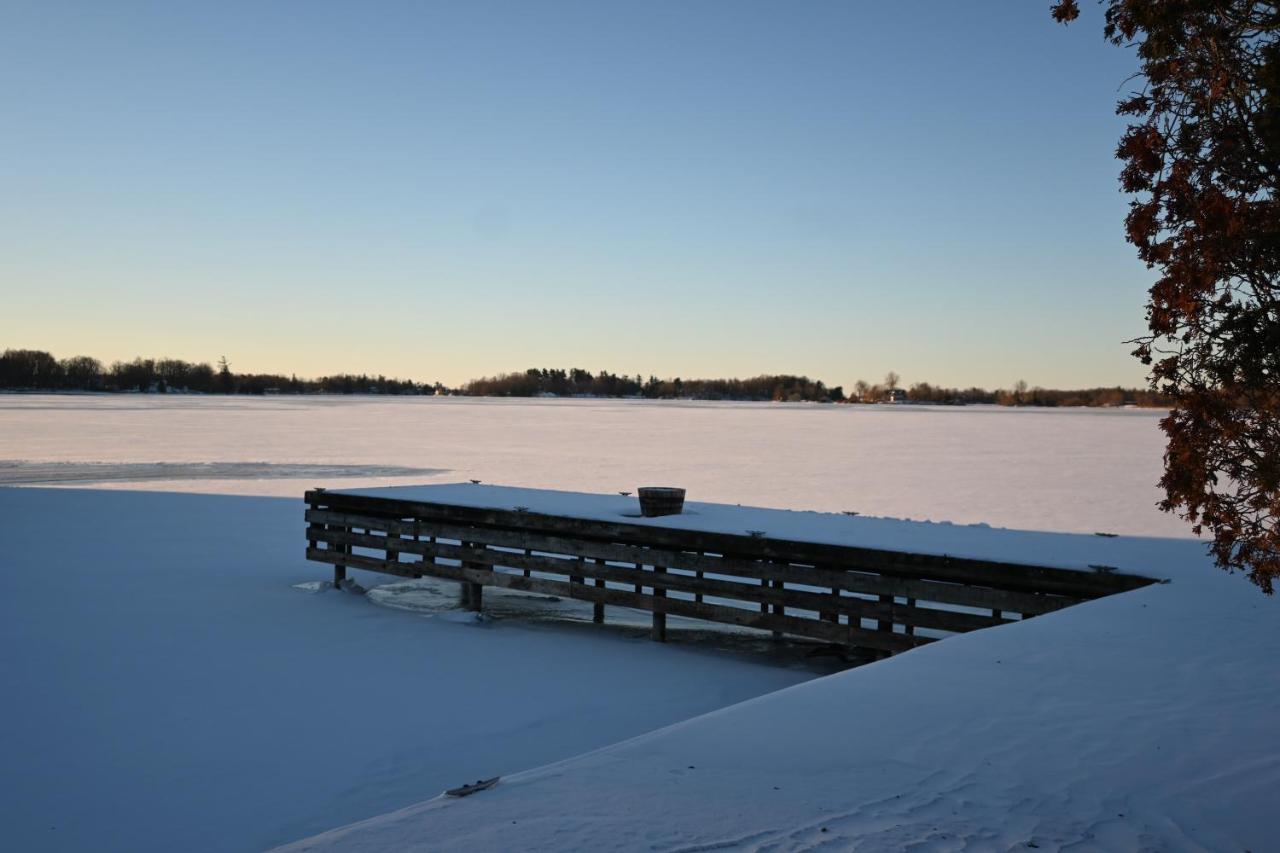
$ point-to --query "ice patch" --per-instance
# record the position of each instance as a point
(16, 472)
(419, 596)
(314, 586)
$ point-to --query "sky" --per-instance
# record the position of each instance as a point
(440, 191)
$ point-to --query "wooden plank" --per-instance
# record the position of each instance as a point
(368, 564)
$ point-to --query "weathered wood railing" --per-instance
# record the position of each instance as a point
(874, 600)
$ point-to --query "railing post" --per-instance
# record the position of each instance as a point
(472, 592)
(832, 615)
(340, 569)
(393, 535)
(659, 618)
(697, 596)
(885, 624)
(778, 609)
(597, 610)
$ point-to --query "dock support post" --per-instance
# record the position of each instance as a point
(832, 615)
(699, 575)
(472, 593)
(659, 618)
(340, 569)
(778, 609)
(597, 611)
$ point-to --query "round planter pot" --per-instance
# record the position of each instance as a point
(660, 500)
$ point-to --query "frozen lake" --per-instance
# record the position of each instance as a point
(1076, 470)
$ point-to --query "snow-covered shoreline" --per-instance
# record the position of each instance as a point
(1141, 721)
(167, 689)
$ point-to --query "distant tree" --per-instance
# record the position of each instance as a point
(922, 392)
(226, 381)
(891, 380)
(82, 373)
(29, 369)
(1202, 158)
(137, 375)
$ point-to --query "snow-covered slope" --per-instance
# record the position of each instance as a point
(164, 688)
(1143, 721)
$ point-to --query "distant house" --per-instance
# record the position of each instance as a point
(895, 395)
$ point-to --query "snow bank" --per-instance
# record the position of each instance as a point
(1142, 721)
(166, 688)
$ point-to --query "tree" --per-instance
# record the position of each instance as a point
(29, 368)
(226, 382)
(1202, 159)
(82, 372)
(891, 380)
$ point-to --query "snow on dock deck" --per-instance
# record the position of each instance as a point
(977, 541)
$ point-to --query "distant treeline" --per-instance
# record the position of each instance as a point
(1020, 395)
(36, 370)
(575, 382)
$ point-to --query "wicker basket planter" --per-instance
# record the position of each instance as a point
(660, 500)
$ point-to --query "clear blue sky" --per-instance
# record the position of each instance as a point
(443, 190)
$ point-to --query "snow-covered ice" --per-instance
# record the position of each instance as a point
(1076, 470)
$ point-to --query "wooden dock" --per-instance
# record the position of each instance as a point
(876, 601)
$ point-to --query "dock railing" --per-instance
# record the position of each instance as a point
(876, 601)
